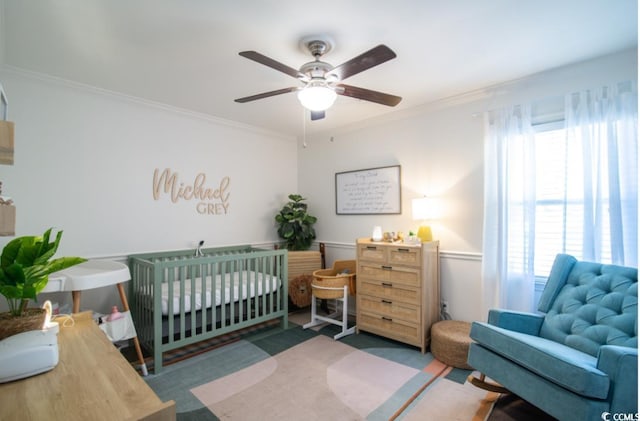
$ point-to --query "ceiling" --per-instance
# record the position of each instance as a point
(185, 53)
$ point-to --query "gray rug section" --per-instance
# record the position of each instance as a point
(202, 369)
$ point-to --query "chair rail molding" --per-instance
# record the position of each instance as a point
(444, 254)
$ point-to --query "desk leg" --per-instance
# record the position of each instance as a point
(136, 343)
(76, 301)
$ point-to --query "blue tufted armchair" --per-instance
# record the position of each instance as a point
(578, 359)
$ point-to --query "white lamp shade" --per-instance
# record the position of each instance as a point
(317, 98)
(423, 208)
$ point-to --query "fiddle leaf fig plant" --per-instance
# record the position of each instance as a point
(295, 225)
(25, 265)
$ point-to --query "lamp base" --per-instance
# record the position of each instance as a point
(424, 233)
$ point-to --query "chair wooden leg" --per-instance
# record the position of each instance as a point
(483, 384)
(136, 342)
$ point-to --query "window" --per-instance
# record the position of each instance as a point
(559, 211)
(564, 187)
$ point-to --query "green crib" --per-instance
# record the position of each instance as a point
(178, 298)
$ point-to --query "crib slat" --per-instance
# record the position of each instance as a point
(191, 276)
(203, 296)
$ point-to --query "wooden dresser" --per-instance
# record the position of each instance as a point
(398, 290)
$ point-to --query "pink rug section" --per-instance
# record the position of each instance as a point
(223, 388)
(363, 381)
(319, 376)
(325, 379)
(436, 368)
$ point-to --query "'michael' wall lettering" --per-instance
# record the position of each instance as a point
(211, 201)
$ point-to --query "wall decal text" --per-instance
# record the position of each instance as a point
(211, 201)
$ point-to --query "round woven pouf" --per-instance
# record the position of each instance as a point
(450, 342)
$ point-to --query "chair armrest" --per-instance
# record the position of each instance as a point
(620, 363)
(528, 323)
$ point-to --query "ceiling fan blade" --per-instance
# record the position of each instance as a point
(262, 59)
(317, 115)
(266, 94)
(364, 61)
(368, 95)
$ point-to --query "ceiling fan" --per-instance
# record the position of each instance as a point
(322, 81)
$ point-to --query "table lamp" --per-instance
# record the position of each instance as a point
(423, 209)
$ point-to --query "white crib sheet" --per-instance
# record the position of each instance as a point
(243, 278)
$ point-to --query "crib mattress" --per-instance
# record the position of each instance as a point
(218, 290)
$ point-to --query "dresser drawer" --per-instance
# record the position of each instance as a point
(372, 253)
(409, 256)
(391, 328)
(387, 273)
(389, 291)
(389, 308)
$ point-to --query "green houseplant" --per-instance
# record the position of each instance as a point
(25, 265)
(295, 225)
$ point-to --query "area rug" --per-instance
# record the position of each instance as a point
(189, 351)
(298, 374)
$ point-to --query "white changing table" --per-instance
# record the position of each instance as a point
(93, 274)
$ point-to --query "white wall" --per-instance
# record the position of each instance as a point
(85, 159)
(84, 163)
(440, 149)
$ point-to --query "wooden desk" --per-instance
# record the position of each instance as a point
(92, 381)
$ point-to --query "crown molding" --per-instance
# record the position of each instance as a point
(66, 83)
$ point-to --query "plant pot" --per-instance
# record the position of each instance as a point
(32, 319)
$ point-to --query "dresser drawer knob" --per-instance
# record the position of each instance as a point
(387, 319)
(386, 302)
(387, 267)
(403, 250)
(387, 285)
(371, 247)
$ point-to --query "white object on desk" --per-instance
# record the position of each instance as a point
(28, 353)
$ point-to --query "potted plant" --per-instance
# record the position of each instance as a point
(25, 265)
(295, 225)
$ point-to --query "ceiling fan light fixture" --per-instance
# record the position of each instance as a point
(323, 81)
(317, 97)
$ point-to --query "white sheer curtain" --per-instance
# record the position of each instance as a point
(597, 206)
(509, 191)
(602, 124)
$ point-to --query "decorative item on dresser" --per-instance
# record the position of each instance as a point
(398, 290)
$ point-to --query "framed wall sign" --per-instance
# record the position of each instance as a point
(369, 191)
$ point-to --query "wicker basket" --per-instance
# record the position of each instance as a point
(343, 273)
(303, 263)
(33, 319)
